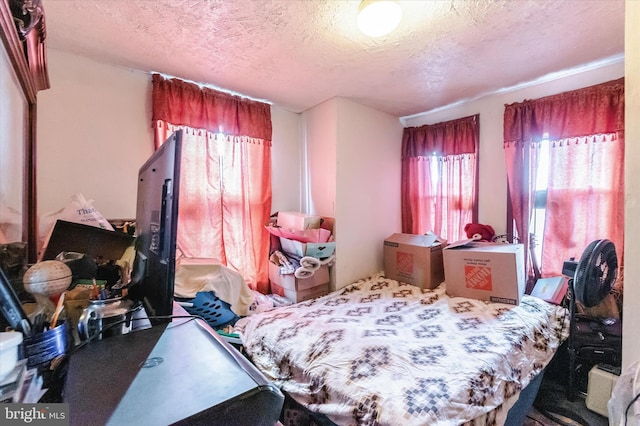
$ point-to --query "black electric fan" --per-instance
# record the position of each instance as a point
(590, 281)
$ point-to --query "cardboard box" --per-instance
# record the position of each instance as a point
(298, 221)
(290, 282)
(485, 271)
(298, 290)
(302, 295)
(319, 235)
(414, 259)
(300, 249)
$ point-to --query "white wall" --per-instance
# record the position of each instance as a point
(492, 208)
(368, 188)
(321, 132)
(286, 160)
(353, 161)
(630, 335)
(94, 132)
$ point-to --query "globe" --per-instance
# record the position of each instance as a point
(46, 280)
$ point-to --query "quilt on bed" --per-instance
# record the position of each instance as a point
(380, 352)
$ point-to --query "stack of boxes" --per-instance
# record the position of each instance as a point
(300, 235)
(299, 290)
(486, 271)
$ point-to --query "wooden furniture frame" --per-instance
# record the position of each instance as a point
(22, 29)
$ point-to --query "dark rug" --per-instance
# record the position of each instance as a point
(552, 400)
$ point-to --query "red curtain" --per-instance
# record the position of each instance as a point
(582, 207)
(587, 126)
(225, 194)
(186, 104)
(439, 186)
(522, 158)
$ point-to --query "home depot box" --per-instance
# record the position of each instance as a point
(298, 221)
(485, 271)
(296, 289)
(414, 259)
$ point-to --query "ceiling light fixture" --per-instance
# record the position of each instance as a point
(377, 18)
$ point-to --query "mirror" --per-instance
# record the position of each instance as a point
(13, 114)
(22, 74)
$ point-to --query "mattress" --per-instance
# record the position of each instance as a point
(381, 352)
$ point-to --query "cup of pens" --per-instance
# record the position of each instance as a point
(46, 343)
(48, 338)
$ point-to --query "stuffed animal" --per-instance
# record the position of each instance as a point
(479, 232)
(501, 239)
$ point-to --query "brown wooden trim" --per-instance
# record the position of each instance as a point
(15, 51)
(31, 193)
(28, 59)
(37, 52)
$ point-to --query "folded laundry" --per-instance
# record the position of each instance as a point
(303, 273)
(309, 265)
(287, 264)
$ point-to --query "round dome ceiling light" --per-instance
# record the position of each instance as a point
(377, 18)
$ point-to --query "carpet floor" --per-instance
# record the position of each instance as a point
(552, 408)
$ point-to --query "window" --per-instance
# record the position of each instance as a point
(565, 161)
(540, 200)
(439, 177)
(225, 195)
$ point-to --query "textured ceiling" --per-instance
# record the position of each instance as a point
(299, 53)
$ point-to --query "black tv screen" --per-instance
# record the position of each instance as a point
(153, 273)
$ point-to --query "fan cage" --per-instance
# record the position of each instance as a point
(596, 272)
(590, 280)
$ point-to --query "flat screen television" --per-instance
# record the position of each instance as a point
(153, 272)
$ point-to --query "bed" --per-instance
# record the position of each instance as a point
(381, 352)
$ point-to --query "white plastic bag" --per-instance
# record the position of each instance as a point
(261, 303)
(624, 391)
(10, 224)
(79, 210)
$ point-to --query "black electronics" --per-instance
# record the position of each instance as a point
(11, 307)
(590, 281)
(153, 272)
(93, 242)
(177, 373)
(598, 341)
(593, 277)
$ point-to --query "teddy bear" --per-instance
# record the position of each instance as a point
(479, 232)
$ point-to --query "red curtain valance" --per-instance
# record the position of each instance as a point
(186, 104)
(453, 137)
(593, 110)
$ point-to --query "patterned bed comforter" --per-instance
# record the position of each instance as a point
(380, 352)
